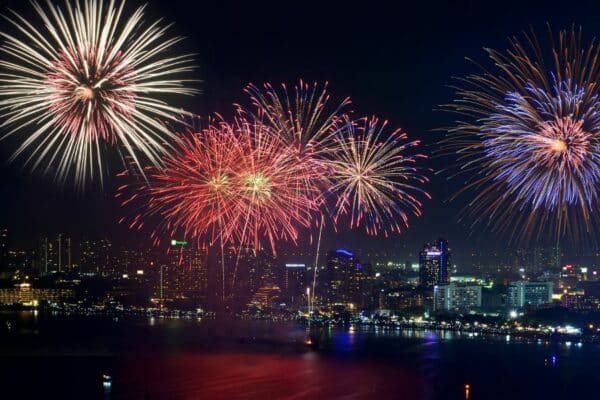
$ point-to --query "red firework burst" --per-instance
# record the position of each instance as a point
(270, 204)
(193, 192)
(234, 182)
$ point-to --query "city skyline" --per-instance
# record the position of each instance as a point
(277, 200)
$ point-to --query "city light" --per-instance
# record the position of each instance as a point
(282, 240)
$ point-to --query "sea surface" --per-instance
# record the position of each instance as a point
(58, 357)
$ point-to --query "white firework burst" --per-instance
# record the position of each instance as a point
(90, 79)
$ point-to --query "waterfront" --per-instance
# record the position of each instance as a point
(181, 359)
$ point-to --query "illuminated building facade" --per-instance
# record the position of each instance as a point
(456, 297)
(24, 294)
(524, 293)
(404, 298)
(63, 253)
(295, 283)
(434, 263)
(346, 281)
(266, 296)
(185, 275)
(246, 271)
(341, 265)
(47, 256)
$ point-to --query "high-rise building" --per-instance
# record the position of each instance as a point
(295, 283)
(341, 265)
(346, 281)
(456, 297)
(434, 263)
(63, 250)
(524, 293)
(186, 271)
(55, 255)
(47, 256)
(543, 259)
(3, 248)
(246, 271)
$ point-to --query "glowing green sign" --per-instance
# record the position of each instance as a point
(178, 242)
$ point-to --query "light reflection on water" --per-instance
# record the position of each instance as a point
(174, 359)
(262, 376)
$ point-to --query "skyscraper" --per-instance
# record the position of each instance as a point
(3, 248)
(186, 271)
(434, 263)
(295, 283)
(346, 281)
(246, 271)
(47, 256)
(63, 248)
(340, 267)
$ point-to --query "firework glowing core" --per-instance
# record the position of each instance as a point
(258, 184)
(84, 93)
(559, 145)
(218, 182)
(567, 137)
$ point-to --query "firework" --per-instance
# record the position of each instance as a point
(305, 121)
(270, 205)
(90, 80)
(375, 178)
(192, 193)
(532, 146)
(230, 181)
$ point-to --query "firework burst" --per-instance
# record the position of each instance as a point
(374, 177)
(531, 147)
(192, 193)
(304, 120)
(90, 80)
(230, 181)
(268, 177)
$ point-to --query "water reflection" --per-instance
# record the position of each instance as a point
(259, 376)
(250, 359)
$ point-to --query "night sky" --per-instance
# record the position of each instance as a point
(394, 60)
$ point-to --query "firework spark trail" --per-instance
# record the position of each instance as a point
(375, 178)
(92, 79)
(237, 176)
(273, 179)
(315, 271)
(307, 124)
(306, 121)
(530, 145)
(268, 176)
(193, 192)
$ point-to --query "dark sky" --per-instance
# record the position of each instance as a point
(393, 59)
